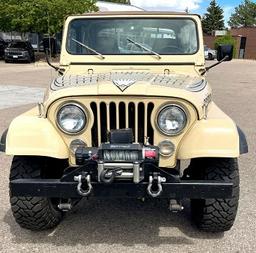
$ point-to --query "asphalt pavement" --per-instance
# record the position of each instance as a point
(131, 225)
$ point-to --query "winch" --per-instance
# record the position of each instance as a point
(120, 159)
(120, 152)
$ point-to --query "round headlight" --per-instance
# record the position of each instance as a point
(71, 118)
(171, 120)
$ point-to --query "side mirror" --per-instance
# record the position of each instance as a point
(60, 71)
(225, 51)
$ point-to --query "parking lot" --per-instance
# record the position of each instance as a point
(130, 225)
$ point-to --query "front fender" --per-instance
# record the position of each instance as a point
(28, 134)
(216, 136)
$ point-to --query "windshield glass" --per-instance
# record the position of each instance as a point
(18, 45)
(133, 36)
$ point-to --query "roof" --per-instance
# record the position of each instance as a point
(134, 13)
(108, 6)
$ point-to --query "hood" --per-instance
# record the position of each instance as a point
(125, 82)
(16, 49)
(193, 89)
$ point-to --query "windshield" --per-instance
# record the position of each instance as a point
(18, 45)
(133, 36)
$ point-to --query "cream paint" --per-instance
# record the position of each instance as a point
(29, 134)
(215, 136)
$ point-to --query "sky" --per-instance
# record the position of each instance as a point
(194, 6)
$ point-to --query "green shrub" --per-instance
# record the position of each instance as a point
(226, 40)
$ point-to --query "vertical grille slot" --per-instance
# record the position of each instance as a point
(131, 118)
(141, 122)
(113, 119)
(103, 125)
(135, 115)
(94, 130)
(150, 130)
(122, 115)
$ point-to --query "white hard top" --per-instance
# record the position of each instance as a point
(107, 6)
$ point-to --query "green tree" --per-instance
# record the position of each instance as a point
(40, 16)
(213, 19)
(119, 1)
(226, 40)
(244, 15)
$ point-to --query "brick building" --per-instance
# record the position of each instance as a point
(246, 41)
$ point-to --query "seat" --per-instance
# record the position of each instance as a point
(162, 46)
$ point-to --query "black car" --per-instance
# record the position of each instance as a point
(3, 45)
(19, 51)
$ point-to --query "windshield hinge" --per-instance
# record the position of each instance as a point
(90, 72)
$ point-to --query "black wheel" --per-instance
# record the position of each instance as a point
(210, 56)
(215, 215)
(29, 60)
(34, 213)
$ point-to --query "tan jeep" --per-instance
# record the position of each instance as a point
(130, 103)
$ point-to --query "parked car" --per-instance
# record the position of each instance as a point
(209, 54)
(19, 51)
(118, 121)
(3, 45)
(41, 46)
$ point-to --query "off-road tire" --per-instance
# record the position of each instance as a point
(34, 213)
(215, 215)
(30, 59)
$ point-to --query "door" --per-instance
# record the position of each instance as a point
(242, 48)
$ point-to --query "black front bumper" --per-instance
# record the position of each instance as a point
(55, 188)
(18, 58)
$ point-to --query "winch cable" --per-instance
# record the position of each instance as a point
(120, 155)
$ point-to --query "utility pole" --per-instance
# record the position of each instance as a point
(49, 40)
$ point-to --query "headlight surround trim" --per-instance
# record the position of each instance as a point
(81, 108)
(184, 110)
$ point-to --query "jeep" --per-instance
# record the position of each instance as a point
(130, 103)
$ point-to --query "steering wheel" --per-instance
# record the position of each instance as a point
(170, 49)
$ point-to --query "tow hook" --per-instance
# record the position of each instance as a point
(155, 185)
(84, 187)
(107, 176)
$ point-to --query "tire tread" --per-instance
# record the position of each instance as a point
(34, 213)
(216, 215)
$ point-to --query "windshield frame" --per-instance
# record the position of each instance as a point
(134, 17)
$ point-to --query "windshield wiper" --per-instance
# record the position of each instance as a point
(89, 48)
(145, 48)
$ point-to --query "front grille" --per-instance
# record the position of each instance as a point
(15, 53)
(108, 116)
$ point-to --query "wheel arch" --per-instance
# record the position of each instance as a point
(216, 136)
(31, 135)
(243, 146)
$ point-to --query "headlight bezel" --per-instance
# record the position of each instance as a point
(182, 108)
(80, 107)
